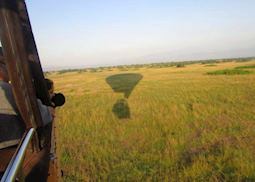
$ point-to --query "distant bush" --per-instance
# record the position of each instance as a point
(229, 72)
(69, 70)
(82, 71)
(246, 67)
(209, 65)
(64, 71)
(180, 65)
(93, 70)
(123, 68)
(244, 59)
(211, 61)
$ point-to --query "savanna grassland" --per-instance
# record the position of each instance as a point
(188, 123)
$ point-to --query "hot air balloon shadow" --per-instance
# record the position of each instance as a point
(123, 83)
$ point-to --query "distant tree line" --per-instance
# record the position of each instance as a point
(179, 64)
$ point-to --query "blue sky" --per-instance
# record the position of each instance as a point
(84, 33)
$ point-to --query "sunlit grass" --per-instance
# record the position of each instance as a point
(183, 125)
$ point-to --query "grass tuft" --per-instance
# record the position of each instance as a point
(246, 67)
(210, 65)
(229, 72)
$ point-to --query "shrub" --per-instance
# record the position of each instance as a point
(180, 65)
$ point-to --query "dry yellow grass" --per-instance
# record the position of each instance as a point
(179, 124)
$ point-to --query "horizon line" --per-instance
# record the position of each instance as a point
(80, 67)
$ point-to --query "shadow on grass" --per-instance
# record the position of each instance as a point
(121, 109)
(123, 83)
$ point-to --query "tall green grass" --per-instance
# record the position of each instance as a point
(246, 67)
(229, 72)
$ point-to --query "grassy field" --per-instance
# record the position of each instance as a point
(158, 124)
